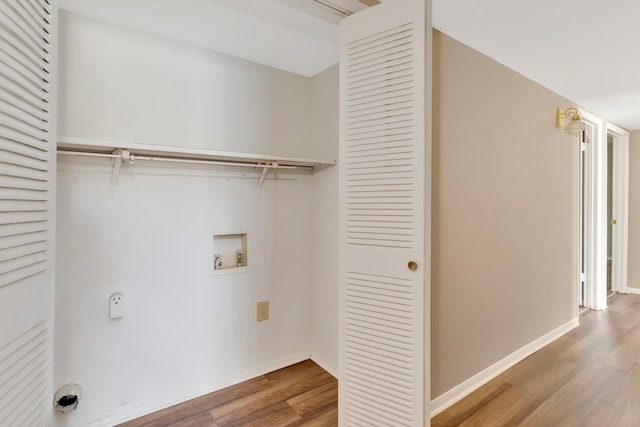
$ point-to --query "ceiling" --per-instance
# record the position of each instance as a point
(586, 51)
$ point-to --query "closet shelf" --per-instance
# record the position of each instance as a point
(126, 151)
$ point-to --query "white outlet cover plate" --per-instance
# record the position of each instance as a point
(116, 305)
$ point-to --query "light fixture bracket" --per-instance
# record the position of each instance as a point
(574, 124)
(561, 115)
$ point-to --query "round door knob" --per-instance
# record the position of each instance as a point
(412, 265)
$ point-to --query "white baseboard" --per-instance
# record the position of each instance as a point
(465, 388)
(183, 396)
(631, 290)
(324, 363)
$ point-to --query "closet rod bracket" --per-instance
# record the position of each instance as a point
(119, 155)
(265, 170)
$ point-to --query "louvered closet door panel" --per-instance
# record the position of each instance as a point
(383, 184)
(27, 165)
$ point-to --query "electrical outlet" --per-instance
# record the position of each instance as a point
(116, 305)
(263, 310)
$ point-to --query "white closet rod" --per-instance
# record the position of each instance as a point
(132, 157)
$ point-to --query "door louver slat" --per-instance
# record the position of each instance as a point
(382, 215)
(26, 128)
(22, 364)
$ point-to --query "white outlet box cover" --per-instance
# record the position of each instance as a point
(116, 305)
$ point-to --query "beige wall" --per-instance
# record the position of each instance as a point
(504, 214)
(633, 268)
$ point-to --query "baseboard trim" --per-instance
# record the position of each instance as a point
(180, 397)
(324, 363)
(465, 388)
(631, 290)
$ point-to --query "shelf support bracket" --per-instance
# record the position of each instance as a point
(119, 155)
(117, 164)
(265, 170)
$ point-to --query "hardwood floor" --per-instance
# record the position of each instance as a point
(588, 377)
(300, 395)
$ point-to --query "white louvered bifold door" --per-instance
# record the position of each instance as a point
(27, 165)
(384, 215)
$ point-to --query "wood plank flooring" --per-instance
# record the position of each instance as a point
(588, 377)
(303, 394)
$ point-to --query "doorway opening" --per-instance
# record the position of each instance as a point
(610, 219)
(617, 208)
(582, 247)
(603, 177)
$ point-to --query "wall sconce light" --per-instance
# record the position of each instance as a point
(575, 125)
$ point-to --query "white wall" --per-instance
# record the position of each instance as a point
(129, 86)
(325, 220)
(185, 332)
